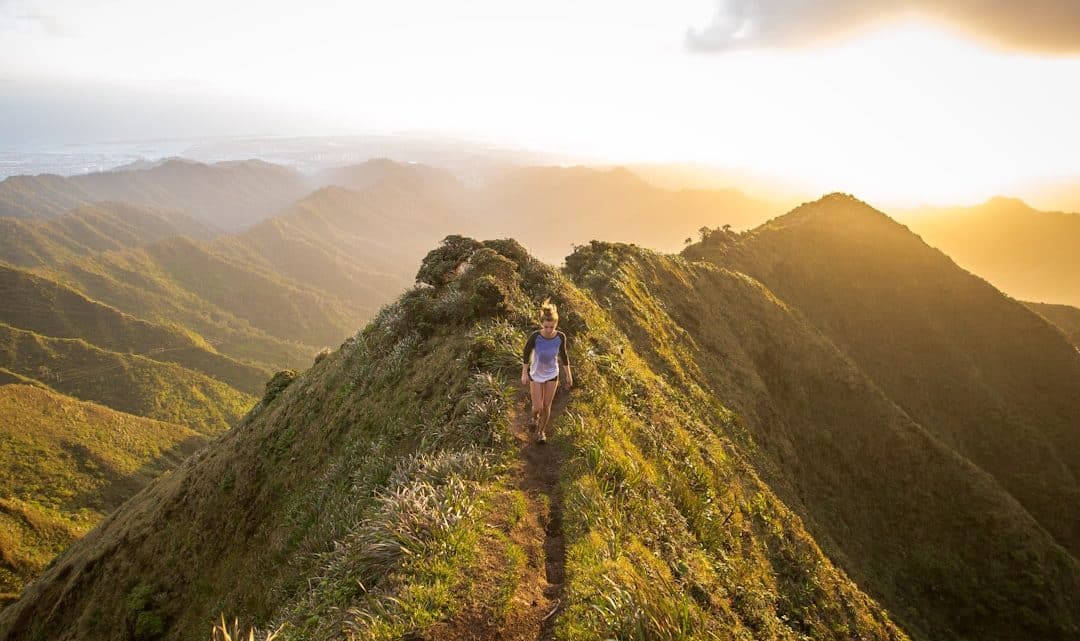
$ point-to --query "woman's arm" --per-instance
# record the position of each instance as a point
(565, 358)
(526, 358)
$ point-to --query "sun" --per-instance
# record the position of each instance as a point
(907, 114)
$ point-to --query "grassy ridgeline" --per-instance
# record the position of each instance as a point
(993, 381)
(51, 309)
(914, 522)
(124, 382)
(1064, 317)
(374, 496)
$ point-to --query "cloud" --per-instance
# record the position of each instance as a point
(1040, 26)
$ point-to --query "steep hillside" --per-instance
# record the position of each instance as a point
(715, 444)
(1028, 254)
(275, 293)
(42, 196)
(229, 195)
(51, 309)
(125, 382)
(90, 229)
(977, 369)
(1064, 317)
(391, 499)
(915, 524)
(245, 312)
(358, 245)
(64, 465)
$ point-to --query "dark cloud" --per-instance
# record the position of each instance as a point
(1043, 26)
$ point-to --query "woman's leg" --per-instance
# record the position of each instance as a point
(548, 396)
(537, 392)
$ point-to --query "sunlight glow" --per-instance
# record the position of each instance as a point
(909, 113)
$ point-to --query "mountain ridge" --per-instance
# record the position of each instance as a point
(950, 348)
(51, 309)
(230, 194)
(64, 464)
(728, 467)
(1029, 254)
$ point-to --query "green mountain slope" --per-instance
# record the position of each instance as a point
(45, 195)
(229, 195)
(359, 245)
(89, 229)
(232, 305)
(124, 382)
(915, 524)
(50, 309)
(277, 307)
(1028, 254)
(64, 465)
(278, 291)
(979, 370)
(386, 493)
(1066, 318)
(402, 499)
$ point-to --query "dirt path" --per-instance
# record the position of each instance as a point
(539, 480)
(537, 597)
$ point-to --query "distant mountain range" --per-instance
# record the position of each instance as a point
(553, 208)
(1029, 254)
(89, 229)
(228, 195)
(549, 208)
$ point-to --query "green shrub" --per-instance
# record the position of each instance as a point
(277, 384)
(441, 264)
(511, 249)
(146, 622)
(322, 355)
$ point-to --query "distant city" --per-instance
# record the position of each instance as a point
(306, 154)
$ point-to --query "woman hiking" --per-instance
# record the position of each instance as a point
(544, 350)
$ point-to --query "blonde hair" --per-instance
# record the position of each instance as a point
(548, 311)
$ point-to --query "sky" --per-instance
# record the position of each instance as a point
(901, 101)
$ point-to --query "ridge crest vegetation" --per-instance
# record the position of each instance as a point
(380, 495)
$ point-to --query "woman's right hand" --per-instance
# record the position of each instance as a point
(524, 380)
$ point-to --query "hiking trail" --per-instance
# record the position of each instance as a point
(537, 596)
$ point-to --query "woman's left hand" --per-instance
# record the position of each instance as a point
(569, 380)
